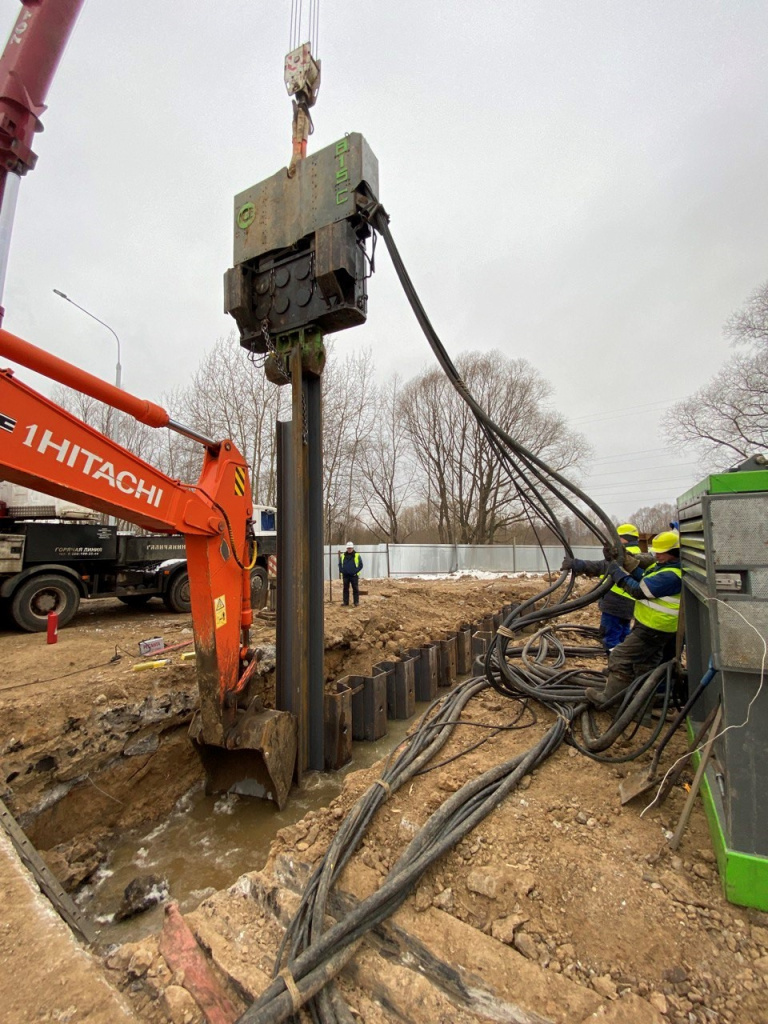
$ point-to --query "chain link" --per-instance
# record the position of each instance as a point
(282, 369)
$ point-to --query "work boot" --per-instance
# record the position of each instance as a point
(613, 688)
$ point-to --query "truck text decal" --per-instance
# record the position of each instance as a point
(6, 423)
(94, 466)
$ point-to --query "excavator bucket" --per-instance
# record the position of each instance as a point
(258, 758)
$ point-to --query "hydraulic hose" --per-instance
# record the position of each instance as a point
(312, 953)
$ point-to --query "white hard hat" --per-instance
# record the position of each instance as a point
(350, 544)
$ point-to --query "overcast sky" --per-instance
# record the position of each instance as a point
(581, 184)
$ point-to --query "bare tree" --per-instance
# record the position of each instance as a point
(229, 396)
(474, 498)
(727, 420)
(348, 421)
(750, 324)
(387, 467)
(654, 518)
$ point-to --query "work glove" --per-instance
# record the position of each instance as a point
(609, 552)
(567, 563)
(631, 562)
(614, 570)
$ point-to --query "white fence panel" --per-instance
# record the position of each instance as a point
(421, 559)
(384, 560)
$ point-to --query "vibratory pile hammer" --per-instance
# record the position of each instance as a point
(300, 270)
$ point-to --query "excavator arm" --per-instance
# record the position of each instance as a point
(44, 447)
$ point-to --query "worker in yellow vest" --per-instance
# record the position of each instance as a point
(616, 607)
(350, 567)
(656, 592)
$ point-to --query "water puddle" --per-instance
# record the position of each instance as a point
(208, 842)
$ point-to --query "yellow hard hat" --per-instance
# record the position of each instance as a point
(666, 541)
(627, 530)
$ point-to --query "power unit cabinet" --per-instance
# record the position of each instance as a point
(724, 549)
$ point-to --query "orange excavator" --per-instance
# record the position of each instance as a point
(244, 747)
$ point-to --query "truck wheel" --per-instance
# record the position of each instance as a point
(42, 594)
(134, 600)
(259, 587)
(176, 597)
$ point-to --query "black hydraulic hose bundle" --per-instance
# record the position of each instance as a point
(315, 955)
(513, 455)
(535, 669)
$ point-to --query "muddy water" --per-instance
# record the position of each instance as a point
(208, 842)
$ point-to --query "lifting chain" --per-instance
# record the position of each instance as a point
(282, 369)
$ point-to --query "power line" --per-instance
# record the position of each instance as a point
(637, 472)
(620, 415)
(629, 455)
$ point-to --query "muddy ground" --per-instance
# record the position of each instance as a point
(561, 902)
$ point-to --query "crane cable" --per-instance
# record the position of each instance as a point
(312, 35)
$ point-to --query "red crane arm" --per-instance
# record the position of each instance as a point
(27, 66)
(46, 448)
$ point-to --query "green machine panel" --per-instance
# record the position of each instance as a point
(724, 548)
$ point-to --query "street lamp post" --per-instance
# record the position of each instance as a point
(118, 368)
(118, 374)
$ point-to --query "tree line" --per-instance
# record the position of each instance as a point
(403, 458)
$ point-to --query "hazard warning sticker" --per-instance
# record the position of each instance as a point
(220, 611)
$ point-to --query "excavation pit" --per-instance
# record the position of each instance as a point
(96, 762)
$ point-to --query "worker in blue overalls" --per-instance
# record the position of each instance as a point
(350, 567)
(616, 607)
(656, 593)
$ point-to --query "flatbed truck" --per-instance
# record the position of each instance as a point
(49, 564)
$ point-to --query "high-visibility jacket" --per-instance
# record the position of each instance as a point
(350, 563)
(660, 613)
(633, 549)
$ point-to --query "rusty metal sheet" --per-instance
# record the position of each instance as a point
(447, 672)
(369, 706)
(481, 641)
(337, 720)
(464, 650)
(401, 690)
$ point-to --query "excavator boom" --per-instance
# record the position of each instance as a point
(44, 447)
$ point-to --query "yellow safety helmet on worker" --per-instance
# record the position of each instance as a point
(669, 540)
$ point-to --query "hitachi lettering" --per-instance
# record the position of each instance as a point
(93, 465)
